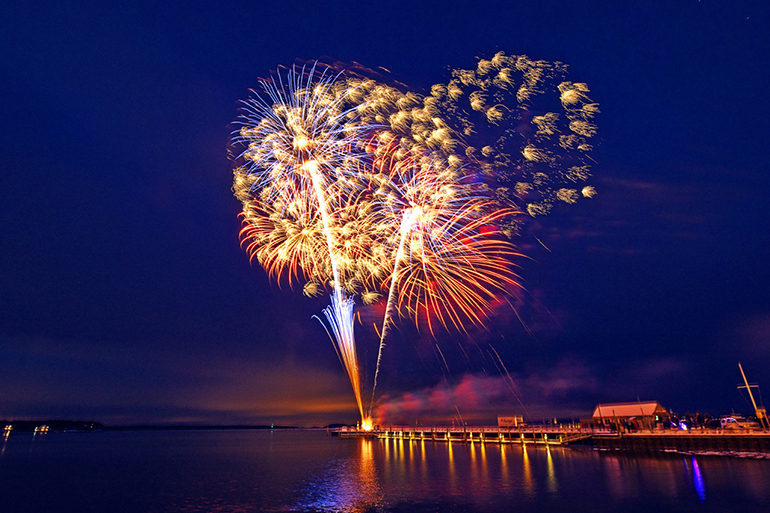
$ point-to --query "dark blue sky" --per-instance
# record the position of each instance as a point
(125, 297)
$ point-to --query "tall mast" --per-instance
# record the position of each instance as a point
(760, 412)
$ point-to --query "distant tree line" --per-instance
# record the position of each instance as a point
(52, 425)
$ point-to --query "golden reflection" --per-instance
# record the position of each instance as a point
(6, 434)
(367, 485)
(451, 464)
(368, 470)
(484, 468)
(503, 465)
(423, 460)
(553, 486)
(529, 484)
(466, 469)
(474, 464)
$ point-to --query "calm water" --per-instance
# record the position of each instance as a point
(244, 471)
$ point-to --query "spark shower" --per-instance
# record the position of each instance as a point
(360, 185)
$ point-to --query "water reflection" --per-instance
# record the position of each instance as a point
(480, 476)
(346, 485)
(697, 480)
(552, 485)
(474, 465)
(423, 461)
(484, 466)
(529, 485)
(164, 472)
(504, 476)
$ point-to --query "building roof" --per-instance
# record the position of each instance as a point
(635, 409)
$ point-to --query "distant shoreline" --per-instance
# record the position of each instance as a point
(183, 427)
(24, 426)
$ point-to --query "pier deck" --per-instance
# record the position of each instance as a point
(488, 434)
(723, 440)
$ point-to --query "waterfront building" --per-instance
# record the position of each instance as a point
(625, 416)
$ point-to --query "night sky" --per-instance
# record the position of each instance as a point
(126, 298)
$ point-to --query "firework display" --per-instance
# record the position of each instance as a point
(353, 183)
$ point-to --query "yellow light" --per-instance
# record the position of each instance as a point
(311, 166)
(301, 142)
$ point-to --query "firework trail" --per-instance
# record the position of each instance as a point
(299, 148)
(354, 182)
(448, 266)
(340, 318)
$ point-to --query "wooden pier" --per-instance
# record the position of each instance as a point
(538, 435)
(717, 441)
(704, 440)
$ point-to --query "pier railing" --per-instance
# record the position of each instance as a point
(722, 440)
(546, 435)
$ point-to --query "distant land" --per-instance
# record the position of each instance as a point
(24, 426)
(142, 427)
(50, 425)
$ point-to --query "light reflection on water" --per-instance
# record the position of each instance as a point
(408, 475)
(255, 471)
(529, 486)
(349, 485)
(552, 486)
(697, 479)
